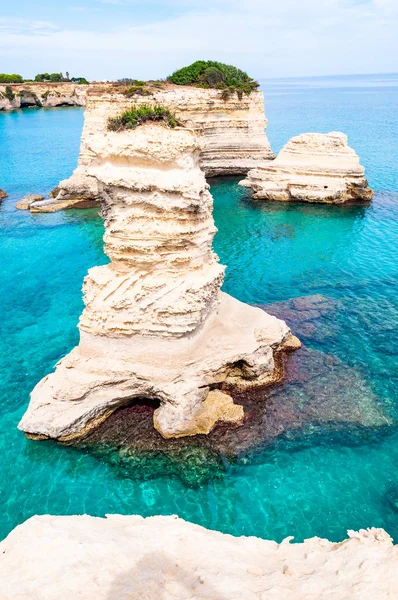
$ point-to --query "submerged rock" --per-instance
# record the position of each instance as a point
(124, 557)
(3, 195)
(319, 395)
(156, 324)
(312, 317)
(27, 201)
(312, 167)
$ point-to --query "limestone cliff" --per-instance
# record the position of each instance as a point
(123, 557)
(233, 129)
(312, 167)
(156, 324)
(47, 95)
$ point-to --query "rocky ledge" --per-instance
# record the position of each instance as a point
(166, 557)
(48, 95)
(156, 325)
(313, 167)
(3, 195)
(233, 139)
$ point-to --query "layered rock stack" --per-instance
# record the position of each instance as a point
(233, 139)
(155, 324)
(312, 167)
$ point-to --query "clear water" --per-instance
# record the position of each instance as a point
(321, 485)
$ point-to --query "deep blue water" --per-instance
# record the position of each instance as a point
(318, 485)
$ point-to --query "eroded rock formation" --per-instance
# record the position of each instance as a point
(47, 95)
(26, 202)
(124, 557)
(233, 139)
(156, 324)
(3, 195)
(313, 167)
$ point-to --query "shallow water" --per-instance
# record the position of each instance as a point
(319, 481)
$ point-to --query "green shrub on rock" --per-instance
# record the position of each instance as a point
(137, 115)
(213, 74)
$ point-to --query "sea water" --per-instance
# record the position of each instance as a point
(319, 484)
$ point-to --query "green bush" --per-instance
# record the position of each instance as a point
(42, 77)
(9, 94)
(137, 90)
(13, 78)
(79, 80)
(138, 115)
(213, 74)
(129, 81)
(56, 77)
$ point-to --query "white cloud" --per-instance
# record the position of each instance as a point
(266, 38)
(15, 27)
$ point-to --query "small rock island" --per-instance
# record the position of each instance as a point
(312, 167)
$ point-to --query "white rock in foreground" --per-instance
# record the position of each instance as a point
(166, 558)
(156, 324)
(312, 167)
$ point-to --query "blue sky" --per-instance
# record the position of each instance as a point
(107, 39)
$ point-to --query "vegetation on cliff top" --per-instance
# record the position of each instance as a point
(10, 78)
(130, 119)
(41, 78)
(213, 74)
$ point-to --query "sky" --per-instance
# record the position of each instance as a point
(149, 39)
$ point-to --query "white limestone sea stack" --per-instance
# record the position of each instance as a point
(155, 324)
(166, 558)
(312, 167)
(233, 139)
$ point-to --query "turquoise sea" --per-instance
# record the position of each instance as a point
(332, 271)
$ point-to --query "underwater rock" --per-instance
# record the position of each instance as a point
(320, 395)
(310, 317)
(27, 201)
(312, 167)
(122, 557)
(155, 324)
(3, 195)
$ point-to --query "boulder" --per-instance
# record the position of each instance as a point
(27, 201)
(313, 167)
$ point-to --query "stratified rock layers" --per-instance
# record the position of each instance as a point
(313, 167)
(46, 95)
(123, 557)
(156, 324)
(233, 139)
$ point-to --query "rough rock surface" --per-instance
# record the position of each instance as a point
(3, 195)
(166, 558)
(156, 324)
(313, 167)
(47, 95)
(27, 201)
(233, 139)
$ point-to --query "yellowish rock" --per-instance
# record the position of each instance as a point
(27, 201)
(217, 408)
